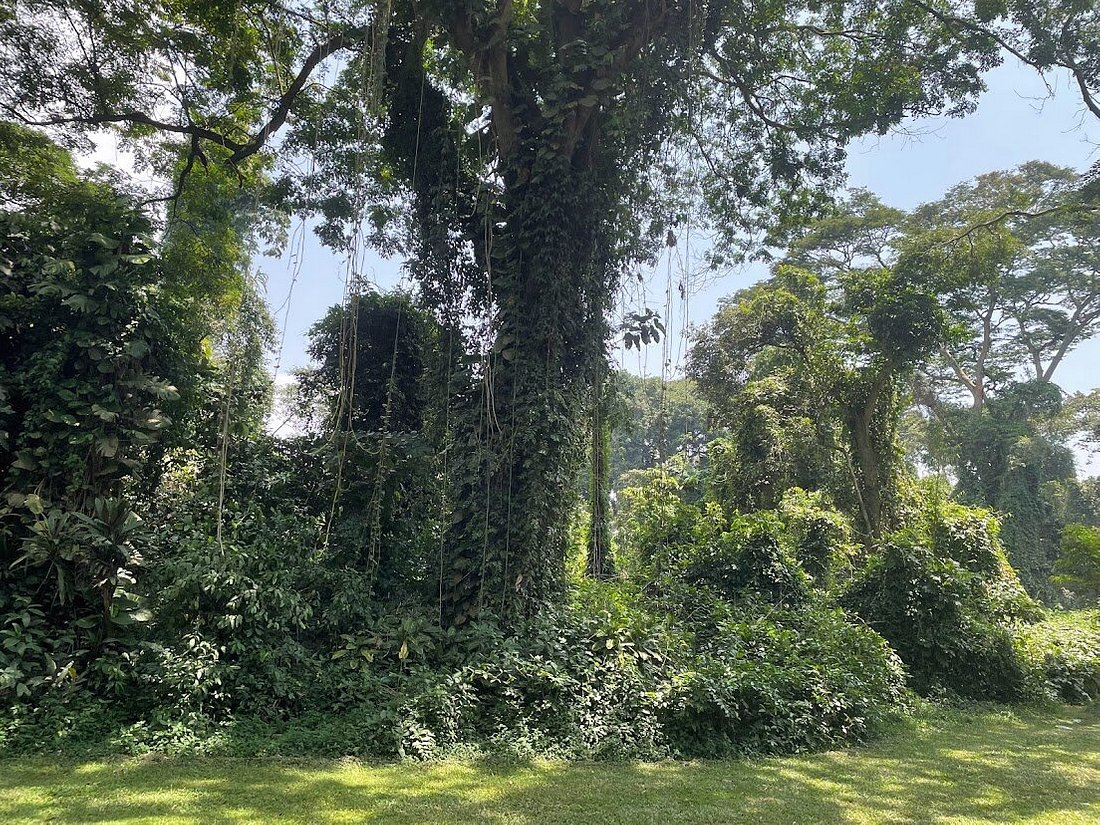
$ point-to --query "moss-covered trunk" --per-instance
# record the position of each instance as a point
(872, 421)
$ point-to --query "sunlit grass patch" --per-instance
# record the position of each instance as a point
(992, 765)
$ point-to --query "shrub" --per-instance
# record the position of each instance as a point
(232, 618)
(1078, 566)
(71, 614)
(945, 596)
(655, 524)
(1064, 650)
(749, 559)
(33, 656)
(606, 676)
(780, 683)
(819, 535)
(934, 612)
(971, 537)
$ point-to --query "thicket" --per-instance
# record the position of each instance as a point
(187, 582)
(1077, 568)
(244, 639)
(393, 579)
(245, 594)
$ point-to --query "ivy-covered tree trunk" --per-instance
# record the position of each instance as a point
(872, 430)
(524, 430)
(540, 274)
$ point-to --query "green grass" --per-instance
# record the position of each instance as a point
(985, 766)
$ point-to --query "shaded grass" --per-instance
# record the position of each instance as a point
(952, 767)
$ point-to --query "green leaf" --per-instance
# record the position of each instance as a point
(104, 414)
(102, 240)
(138, 349)
(81, 303)
(107, 446)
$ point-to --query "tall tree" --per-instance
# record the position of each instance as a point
(1058, 35)
(523, 139)
(1013, 256)
(1019, 258)
(367, 411)
(372, 359)
(844, 349)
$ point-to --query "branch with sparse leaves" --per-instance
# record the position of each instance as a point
(198, 134)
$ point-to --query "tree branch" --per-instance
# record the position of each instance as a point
(321, 51)
(1064, 61)
(1019, 213)
(197, 132)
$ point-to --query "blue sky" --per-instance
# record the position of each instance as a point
(1017, 120)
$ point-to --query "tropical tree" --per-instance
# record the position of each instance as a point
(373, 359)
(93, 349)
(1010, 257)
(1013, 256)
(840, 354)
(1062, 35)
(1020, 262)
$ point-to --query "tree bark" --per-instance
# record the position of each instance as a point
(871, 446)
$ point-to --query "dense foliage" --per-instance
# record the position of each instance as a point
(423, 561)
(945, 597)
(1078, 566)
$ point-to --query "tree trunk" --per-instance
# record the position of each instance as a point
(868, 472)
(872, 425)
(522, 434)
(541, 244)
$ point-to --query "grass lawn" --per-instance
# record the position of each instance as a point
(993, 766)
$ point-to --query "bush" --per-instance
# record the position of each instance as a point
(934, 612)
(83, 630)
(782, 683)
(1064, 650)
(607, 676)
(655, 523)
(819, 535)
(33, 656)
(232, 619)
(749, 560)
(946, 598)
(1078, 566)
(971, 537)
